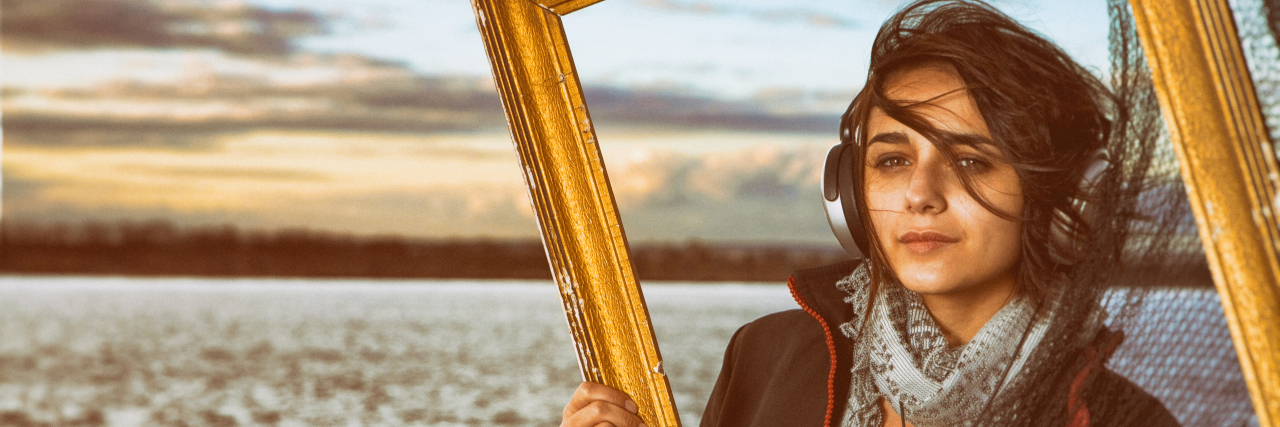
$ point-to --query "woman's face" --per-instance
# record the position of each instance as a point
(938, 239)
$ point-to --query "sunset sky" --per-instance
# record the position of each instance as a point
(379, 116)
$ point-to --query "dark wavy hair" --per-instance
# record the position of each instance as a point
(1045, 112)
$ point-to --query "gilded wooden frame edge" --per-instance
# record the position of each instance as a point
(572, 200)
(565, 7)
(1216, 124)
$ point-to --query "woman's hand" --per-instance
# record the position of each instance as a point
(596, 404)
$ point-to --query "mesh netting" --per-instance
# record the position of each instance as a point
(1257, 23)
(1184, 357)
(1177, 345)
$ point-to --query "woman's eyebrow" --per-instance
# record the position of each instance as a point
(968, 139)
(889, 138)
(979, 141)
(975, 141)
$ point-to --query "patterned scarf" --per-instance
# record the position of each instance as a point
(904, 357)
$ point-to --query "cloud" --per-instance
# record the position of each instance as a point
(314, 92)
(759, 193)
(231, 173)
(776, 15)
(216, 117)
(349, 93)
(668, 108)
(229, 26)
(659, 178)
(179, 97)
(362, 182)
(700, 8)
(443, 187)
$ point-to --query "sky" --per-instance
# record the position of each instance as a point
(379, 117)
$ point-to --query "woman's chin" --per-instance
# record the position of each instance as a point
(939, 278)
(930, 287)
(925, 281)
(926, 274)
(941, 281)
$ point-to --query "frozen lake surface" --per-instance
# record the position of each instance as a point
(226, 352)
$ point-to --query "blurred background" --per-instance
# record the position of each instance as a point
(310, 212)
(338, 138)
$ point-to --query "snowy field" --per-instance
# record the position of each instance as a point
(217, 352)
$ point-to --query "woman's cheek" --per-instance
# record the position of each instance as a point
(881, 218)
(1003, 237)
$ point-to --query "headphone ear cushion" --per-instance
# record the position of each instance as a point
(839, 201)
(847, 170)
(1066, 237)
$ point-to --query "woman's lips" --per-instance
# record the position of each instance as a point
(925, 241)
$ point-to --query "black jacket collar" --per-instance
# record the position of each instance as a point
(815, 290)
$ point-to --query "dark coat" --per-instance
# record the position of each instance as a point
(793, 368)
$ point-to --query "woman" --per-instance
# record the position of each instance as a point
(984, 161)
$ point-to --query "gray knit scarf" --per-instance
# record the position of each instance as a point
(904, 357)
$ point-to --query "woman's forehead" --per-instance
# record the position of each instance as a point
(944, 105)
(934, 81)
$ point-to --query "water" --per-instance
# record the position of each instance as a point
(218, 352)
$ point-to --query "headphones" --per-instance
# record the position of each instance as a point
(842, 208)
(838, 200)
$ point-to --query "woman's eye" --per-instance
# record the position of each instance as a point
(891, 162)
(971, 163)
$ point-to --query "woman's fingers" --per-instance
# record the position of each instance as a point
(600, 413)
(590, 392)
(594, 404)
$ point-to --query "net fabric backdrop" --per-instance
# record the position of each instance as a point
(1176, 345)
(1258, 24)
(1184, 357)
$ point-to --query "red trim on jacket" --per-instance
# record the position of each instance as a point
(831, 348)
(1096, 354)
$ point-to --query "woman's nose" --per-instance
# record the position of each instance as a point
(924, 191)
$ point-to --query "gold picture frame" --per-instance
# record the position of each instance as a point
(1206, 96)
(581, 229)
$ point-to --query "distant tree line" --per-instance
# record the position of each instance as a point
(158, 248)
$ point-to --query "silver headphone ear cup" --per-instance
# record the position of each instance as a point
(1063, 237)
(838, 201)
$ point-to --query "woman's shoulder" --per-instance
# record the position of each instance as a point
(778, 334)
(775, 372)
(782, 321)
(1116, 401)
